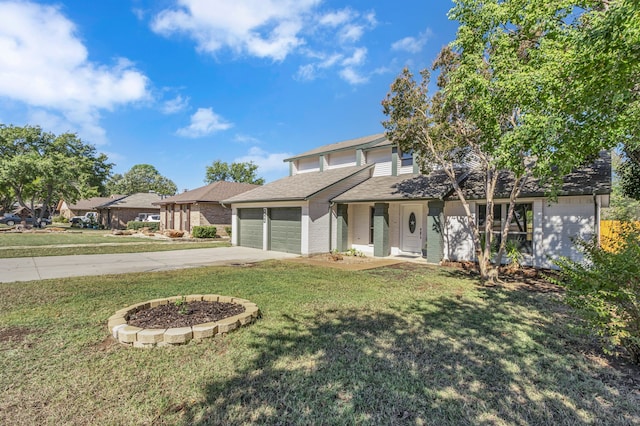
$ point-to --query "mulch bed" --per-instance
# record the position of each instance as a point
(184, 315)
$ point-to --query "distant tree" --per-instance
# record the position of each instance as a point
(234, 172)
(141, 178)
(39, 168)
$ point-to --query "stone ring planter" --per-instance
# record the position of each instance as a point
(148, 337)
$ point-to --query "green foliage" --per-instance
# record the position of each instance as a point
(514, 254)
(182, 306)
(605, 289)
(234, 172)
(60, 219)
(141, 178)
(629, 173)
(137, 225)
(40, 168)
(228, 229)
(204, 232)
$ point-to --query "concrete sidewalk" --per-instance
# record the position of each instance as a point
(41, 268)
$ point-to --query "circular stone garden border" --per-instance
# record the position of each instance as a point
(149, 337)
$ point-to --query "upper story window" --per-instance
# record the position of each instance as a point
(406, 158)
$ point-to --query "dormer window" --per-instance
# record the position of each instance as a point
(406, 158)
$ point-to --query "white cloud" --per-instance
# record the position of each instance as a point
(174, 105)
(271, 166)
(358, 57)
(262, 28)
(242, 138)
(334, 19)
(45, 65)
(352, 76)
(204, 122)
(412, 44)
(270, 29)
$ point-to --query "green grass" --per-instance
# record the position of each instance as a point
(13, 244)
(387, 346)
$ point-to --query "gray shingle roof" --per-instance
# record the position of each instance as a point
(366, 142)
(214, 192)
(588, 180)
(140, 200)
(397, 188)
(91, 203)
(297, 187)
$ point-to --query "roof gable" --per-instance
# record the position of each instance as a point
(214, 192)
(363, 142)
(298, 187)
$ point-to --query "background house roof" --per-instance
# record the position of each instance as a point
(297, 187)
(214, 192)
(364, 142)
(140, 200)
(93, 202)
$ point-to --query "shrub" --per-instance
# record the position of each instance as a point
(204, 232)
(227, 229)
(605, 289)
(136, 225)
(60, 219)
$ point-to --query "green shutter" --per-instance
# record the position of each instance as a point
(435, 225)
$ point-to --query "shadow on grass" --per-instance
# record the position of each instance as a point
(506, 357)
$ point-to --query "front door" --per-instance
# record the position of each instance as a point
(411, 228)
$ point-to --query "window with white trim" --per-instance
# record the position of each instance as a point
(520, 228)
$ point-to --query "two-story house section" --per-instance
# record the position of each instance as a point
(366, 194)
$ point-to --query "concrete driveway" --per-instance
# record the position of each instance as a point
(41, 268)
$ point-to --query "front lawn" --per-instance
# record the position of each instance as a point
(397, 345)
(88, 241)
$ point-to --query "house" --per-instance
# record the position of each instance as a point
(366, 194)
(116, 213)
(200, 207)
(81, 207)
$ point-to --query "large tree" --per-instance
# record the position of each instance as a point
(38, 168)
(141, 178)
(234, 172)
(519, 91)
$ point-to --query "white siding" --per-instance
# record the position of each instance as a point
(458, 238)
(319, 214)
(305, 165)
(394, 228)
(570, 218)
(405, 169)
(382, 159)
(359, 218)
(342, 159)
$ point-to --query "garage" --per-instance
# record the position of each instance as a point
(285, 230)
(250, 228)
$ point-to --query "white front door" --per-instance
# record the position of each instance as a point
(411, 228)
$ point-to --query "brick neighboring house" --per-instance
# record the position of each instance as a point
(200, 207)
(115, 214)
(81, 207)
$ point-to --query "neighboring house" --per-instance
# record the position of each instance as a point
(200, 207)
(115, 214)
(367, 195)
(81, 207)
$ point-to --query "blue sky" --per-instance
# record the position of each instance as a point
(180, 84)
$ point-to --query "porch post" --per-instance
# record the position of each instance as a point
(342, 232)
(381, 230)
